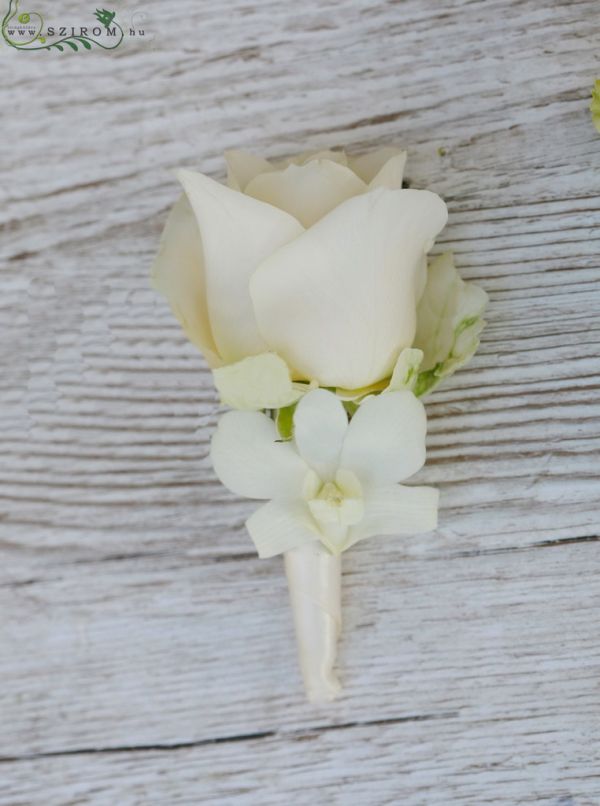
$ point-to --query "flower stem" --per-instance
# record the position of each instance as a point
(314, 582)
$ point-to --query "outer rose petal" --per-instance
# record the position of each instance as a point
(309, 191)
(391, 173)
(178, 273)
(320, 424)
(339, 302)
(237, 232)
(243, 166)
(280, 526)
(251, 460)
(385, 441)
(367, 166)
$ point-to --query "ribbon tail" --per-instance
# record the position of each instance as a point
(314, 582)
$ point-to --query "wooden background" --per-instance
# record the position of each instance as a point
(146, 654)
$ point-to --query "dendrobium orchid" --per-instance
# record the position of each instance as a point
(334, 481)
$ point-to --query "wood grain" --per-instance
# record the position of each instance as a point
(146, 655)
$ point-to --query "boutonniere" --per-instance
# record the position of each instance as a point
(306, 286)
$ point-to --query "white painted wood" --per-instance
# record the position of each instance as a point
(464, 676)
(142, 645)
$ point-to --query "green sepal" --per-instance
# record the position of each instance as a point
(284, 419)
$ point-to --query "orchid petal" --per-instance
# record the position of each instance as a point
(237, 233)
(320, 424)
(251, 460)
(385, 441)
(397, 510)
(280, 526)
(339, 302)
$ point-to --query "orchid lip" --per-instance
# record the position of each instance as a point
(335, 506)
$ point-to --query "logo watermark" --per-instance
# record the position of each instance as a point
(28, 30)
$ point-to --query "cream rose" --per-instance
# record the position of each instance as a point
(314, 266)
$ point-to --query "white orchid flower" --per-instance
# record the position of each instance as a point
(334, 483)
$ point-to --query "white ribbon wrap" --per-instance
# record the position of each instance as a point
(314, 582)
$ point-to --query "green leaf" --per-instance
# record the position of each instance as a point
(84, 42)
(449, 321)
(71, 44)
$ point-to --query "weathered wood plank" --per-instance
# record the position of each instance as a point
(422, 761)
(472, 678)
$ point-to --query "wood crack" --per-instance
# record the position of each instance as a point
(295, 735)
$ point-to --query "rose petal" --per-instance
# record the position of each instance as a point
(308, 192)
(280, 526)
(307, 156)
(250, 459)
(178, 273)
(237, 232)
(367, 166)
(338, 303)
(320, 424)
(390, 174)
(385, 441)
(397, 510)
(243, 166)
